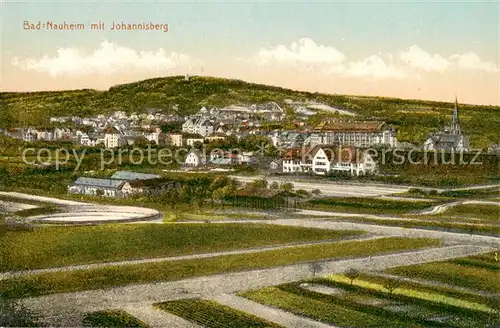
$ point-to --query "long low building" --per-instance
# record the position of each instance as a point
(353, 133)
(133, 184)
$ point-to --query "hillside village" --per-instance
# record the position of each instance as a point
(313, 149)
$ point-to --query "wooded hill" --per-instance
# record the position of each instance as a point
(414, 119)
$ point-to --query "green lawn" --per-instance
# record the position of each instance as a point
(465, 227)
(448, 292)
(112, 318)
(365, 205)
(480, 211)
(61, 246)
(71, 281)
(211, 314)
(476, 272)
(321, 309)
(368, 304)
(368, 282)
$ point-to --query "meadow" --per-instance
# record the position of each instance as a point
(112, 318)
(478, 272)
(53, 246)
(211, 314)
(112, 276)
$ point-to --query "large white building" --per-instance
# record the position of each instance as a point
(323, 160)
(112, 138)
(353, 133)
(201, 125)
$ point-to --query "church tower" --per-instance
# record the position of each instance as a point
(455, 122)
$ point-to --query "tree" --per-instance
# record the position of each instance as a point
(99, 192)
(315, 267)
(274, 185)
(316, 192)
(287, 186)
(260, 183)
(392, 284)
(352, 274)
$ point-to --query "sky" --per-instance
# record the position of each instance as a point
(414, 49)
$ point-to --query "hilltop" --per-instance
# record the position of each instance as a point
(413, 118)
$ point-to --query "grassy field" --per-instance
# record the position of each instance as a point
(322, 309)
(378, 285)
(365, 205)
(61, 246)
(489, 213)
(106, 277)
(476, 272)
(211, 314)
(112, 318)
(465, 227)
(367, 304)
(421, 287)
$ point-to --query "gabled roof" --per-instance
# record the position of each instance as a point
(128, 175)
(102, 183)
(339, 154)
(111, 130)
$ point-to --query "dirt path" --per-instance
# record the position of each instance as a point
(286, 319)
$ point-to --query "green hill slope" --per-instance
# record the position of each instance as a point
(413, 118)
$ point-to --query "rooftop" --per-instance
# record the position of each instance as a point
(128, 175)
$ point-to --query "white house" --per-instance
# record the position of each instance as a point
(112, 138)
(323, 160)
(195, 158)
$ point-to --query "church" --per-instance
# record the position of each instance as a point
(450, 138)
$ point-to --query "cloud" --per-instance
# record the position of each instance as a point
(108, 58)
(375, 67)
(420, 59)
(304, 51)
(405, 64)
(471, 61)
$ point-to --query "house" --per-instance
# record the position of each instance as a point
(195, 158)
(191, 140)
(324, 160)
(188, 125)
(339, 159)
(154, 136)
(297, 160)
(204, 127)
(96, 187)
(29, 135)
(174, 139)
(149, 187)
(216, 137)
(288, 139)
(128, 175)
(450, 137)
(353, 133)
(112, 138)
